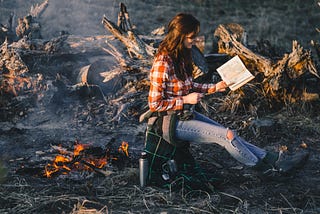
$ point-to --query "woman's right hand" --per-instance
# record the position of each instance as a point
(192, 98)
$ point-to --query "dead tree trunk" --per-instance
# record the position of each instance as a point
(126, 34)
(28, 26)
(229, 42)
(281, 78)
(136, 47)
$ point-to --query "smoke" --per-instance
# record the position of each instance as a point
(77, 17)
(278, 22)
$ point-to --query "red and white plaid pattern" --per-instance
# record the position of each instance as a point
(166, 90)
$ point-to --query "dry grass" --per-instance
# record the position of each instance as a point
(120, 194)
(241, 191)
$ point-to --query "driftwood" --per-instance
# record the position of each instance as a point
(299, 60)
(28, 26)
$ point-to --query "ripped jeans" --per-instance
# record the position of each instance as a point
(205, 130)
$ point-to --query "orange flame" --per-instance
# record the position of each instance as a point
(78, 148)
(57, 165)
(68, 161)
(124, 148)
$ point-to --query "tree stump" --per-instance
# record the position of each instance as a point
(280, 79)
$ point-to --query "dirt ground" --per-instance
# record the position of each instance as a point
(55, 116)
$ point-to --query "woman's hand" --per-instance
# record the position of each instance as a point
(192, 98)
(220, 86)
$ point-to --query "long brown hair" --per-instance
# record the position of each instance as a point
(179, 27)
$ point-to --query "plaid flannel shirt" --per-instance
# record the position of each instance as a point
(166, 90)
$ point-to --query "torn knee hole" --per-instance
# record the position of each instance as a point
(230, 135)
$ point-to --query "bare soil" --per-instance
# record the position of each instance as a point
(56, 116)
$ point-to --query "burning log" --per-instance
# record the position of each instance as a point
(85, 157)
(97, 169)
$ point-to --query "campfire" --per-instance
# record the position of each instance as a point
(95, 87)
(85, 157)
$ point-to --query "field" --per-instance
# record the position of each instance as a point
(278, 22)
(28, 140)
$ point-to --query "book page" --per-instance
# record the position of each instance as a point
(235, 73)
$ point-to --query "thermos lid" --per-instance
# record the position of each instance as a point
(143, 154)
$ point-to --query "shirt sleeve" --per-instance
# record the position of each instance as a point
(159, 99)
(202, 87)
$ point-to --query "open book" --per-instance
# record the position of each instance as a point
(235, 73)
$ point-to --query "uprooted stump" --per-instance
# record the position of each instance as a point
(278, 82)
(292, 79)
(86, 64)
(16, 88)
(60, 116)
